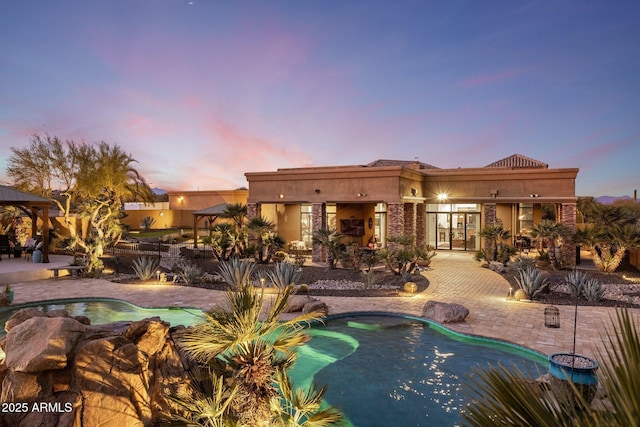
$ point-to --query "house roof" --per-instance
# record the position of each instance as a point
(516, 161)
(214, 210)
(11, 196)
(406, 163)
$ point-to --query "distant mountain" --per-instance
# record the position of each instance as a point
(607, 200)
(158, 191)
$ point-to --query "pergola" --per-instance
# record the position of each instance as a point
(211, 213)
(32, 205)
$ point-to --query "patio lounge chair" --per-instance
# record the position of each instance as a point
(5, 247)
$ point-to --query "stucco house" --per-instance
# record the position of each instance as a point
(442, 207)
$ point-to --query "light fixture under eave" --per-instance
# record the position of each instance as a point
(442, 197)
(280, 196)
(362, 194)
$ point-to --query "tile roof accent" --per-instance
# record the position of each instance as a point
(517, 161)
(405, 163)
(11, 195)
(212, 210)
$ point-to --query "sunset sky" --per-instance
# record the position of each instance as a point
(200, 92)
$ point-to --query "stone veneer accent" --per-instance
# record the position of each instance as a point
(421, 224)
(410, 220)
(568, 218)
(253, 210)
(318, 222)
(489, 213)
(395, 217)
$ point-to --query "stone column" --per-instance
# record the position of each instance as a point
(421, 224)
(253, 210)
(410, 220)
(318, 222)
(568, 218)
(489, 218)
(395, 218)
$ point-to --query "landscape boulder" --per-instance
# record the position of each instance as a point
(443, 312)
(64, 373)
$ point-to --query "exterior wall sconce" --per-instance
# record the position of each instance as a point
(161, 214)
(534, 195)
(280, 196)
(181, 199)
(414, 192)
(370, 223)
(317, 191)
(551, 317)
(493, 193)
(362, 194)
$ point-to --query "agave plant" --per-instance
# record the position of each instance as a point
(575, 281)
(592, 290)
(189, 272)
(237, 273)
(145, 267)
(532, 281)
(504, 396)
(284, 274)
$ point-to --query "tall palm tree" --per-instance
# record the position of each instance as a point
(503, 396)
(246, 343)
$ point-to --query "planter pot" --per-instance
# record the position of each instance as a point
(582, 374)
(37, 256)
(423, 262)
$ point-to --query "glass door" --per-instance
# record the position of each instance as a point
(443, 236)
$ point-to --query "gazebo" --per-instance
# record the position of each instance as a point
(211, 213)
(32, 205)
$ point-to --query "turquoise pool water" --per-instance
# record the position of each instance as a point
(381, 370)
(102, 311)
(400, 371)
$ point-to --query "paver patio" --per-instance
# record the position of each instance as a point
(454, 277)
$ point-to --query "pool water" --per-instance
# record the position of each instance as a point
(101, 311)
(398, 371)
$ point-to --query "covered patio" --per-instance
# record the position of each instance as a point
(35, 207)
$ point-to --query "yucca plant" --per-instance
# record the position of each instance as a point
(504, 396)
(369, 278)
(145, 267)
(532, 281)
(236, 272)
(284, 274)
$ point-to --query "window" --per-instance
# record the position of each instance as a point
(306, 221)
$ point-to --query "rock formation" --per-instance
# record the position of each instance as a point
(443, 312)
(61, 371)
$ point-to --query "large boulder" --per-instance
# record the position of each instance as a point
(297, 303)
(41, 343)
(443, 312)
(68, 374)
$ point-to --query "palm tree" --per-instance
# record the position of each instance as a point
(249, 349)
(503, 396)
(608, 244)
(330, 240)
(494, 234)
(550, 231)
(237, 212)
(268, 241)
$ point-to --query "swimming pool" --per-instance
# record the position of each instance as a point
(400, 371)
(381, 369)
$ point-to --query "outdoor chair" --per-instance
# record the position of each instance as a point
(5, 246)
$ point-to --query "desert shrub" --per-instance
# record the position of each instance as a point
(145, 267)
(368, 276)
(522, 262)
(284, 274)
(532, 281)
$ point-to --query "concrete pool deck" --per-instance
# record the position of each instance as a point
(454, 277)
